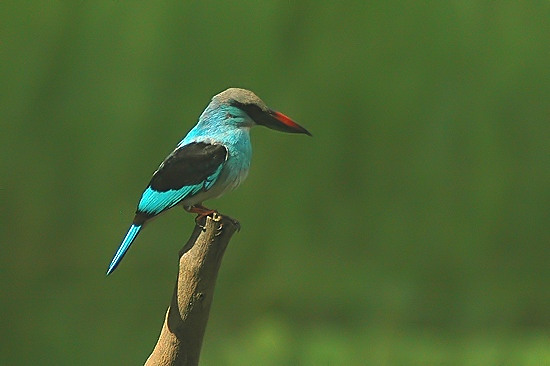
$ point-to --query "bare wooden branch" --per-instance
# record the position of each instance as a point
(181, 336)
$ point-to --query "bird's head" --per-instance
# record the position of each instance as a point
(245, 107)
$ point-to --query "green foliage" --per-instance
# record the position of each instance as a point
(412, 229)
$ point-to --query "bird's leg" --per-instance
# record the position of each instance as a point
(201, 212)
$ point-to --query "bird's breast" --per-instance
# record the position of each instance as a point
(237, 165)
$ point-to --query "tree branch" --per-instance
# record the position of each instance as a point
(181, 336)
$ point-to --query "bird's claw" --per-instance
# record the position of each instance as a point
(202, 217)
(219, 230)
(202, 212)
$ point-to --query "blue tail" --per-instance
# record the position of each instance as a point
(128, 239)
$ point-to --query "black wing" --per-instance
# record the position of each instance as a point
(188, 165)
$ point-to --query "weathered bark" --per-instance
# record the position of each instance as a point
(181, 336)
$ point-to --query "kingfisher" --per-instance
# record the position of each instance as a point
(213, 158)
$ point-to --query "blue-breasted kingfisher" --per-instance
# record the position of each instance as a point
(212, 159)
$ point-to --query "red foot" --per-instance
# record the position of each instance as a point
(200, 210)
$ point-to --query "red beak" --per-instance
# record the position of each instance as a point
(280, 122)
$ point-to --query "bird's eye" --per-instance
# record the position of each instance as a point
(229, 115)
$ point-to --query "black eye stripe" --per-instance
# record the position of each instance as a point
(253, 110)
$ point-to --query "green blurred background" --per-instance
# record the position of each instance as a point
(413, 229)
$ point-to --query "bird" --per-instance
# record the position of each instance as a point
(212, 159)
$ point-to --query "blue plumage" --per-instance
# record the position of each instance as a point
(154, 202)
(128, 240)
(213, 158)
